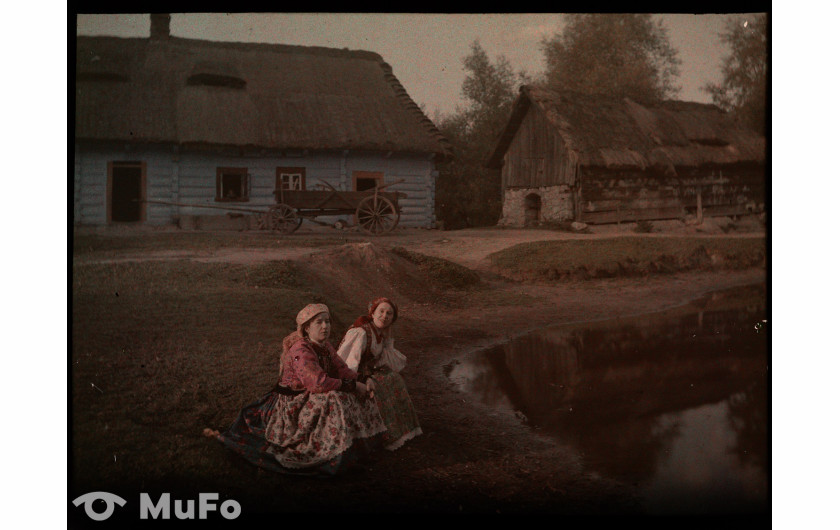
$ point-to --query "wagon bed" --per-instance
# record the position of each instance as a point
(376, 211)
(328, 200)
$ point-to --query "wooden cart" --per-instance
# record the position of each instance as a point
(376, 211)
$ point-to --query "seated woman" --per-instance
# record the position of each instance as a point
(368, 348)
(318, 418)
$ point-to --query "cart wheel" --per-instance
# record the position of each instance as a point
(283, 218)
(377, 215)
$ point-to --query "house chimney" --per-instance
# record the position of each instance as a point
(160, 26)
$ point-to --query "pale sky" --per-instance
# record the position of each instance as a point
(425, 50)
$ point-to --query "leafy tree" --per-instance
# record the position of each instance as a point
(744, 86)
(468, 194)
(490, 90)
(622, 55)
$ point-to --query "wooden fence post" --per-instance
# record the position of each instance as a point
(699, 205)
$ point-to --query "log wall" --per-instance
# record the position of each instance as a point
(629, 196)
(189, 177)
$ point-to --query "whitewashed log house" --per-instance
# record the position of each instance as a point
(163, 122)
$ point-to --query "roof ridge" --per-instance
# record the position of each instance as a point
(268, 46)
(571, 93)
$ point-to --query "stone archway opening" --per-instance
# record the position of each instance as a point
(533, 207)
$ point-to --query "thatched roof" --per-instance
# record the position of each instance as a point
(194, 92)
(612, 133)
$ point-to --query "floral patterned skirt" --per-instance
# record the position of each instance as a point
(396, 409)
(305, 433)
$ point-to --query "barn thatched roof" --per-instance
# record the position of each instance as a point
(622, 134)
(194, 92)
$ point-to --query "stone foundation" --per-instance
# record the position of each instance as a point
(532, 206)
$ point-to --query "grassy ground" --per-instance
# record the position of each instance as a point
(626, 256)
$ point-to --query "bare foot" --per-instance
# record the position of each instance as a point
(210, 433)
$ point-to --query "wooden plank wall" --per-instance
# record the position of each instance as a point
(537, 156)
(614, 196)
(724, 191)
(77, 186)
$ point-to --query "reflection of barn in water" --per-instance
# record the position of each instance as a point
(628, 364)
(606, 385)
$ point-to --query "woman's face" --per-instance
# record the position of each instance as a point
(318, 328)
(383, 315)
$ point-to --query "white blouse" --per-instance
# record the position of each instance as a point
(383, 352)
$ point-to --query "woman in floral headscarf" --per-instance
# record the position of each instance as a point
(318, 418)
(368, 348)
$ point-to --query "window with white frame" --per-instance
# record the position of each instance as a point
(291, 178)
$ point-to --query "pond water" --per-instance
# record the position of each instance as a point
(674, 403)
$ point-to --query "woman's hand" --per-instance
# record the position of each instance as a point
(371, 386)
(362, 389)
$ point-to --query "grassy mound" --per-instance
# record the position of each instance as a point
(442, 272)
(626, 256)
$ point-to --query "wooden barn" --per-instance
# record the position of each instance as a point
(593, 159)
(168, 129)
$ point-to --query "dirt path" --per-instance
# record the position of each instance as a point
(468, 247)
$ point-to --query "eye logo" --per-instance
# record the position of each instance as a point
(89, 498)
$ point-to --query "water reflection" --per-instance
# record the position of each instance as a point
(673, 402)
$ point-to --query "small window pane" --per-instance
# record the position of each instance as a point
(232, 184)
(291, 181)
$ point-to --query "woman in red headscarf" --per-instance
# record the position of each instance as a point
(368, 348)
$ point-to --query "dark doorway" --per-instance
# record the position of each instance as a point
(533, 204)
(127, 191)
